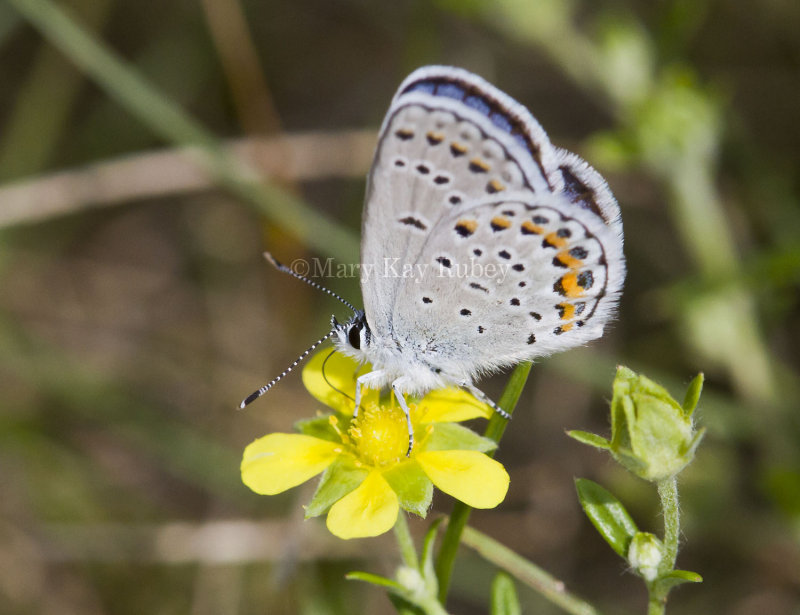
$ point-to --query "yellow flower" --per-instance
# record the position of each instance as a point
(367, 477)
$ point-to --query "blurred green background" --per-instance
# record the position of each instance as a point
(149, 155)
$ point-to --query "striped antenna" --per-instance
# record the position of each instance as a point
(256, 394)
(281, 267)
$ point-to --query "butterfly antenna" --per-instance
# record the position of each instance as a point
(281, 267)
(256, 394)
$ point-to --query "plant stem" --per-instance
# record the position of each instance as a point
(447, 553)
(461, 512)
(655, 605)
(668, 492)
(405, 542)
(527, 572)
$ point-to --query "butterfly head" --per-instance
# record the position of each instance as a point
(353, 336)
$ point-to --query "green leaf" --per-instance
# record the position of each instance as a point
(695, 442)
(413, 488)
(319, 427)
(607, 514)
(585, 437)
(339, 479)
(374, 579)
(504, 596)
(427, 564)
(677, 577)
(621, 409)
(453, 437)
(693, 394)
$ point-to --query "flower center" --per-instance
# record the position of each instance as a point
(380, 435)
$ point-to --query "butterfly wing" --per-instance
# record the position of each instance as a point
(449, 139)
(508, 280)
(484, 245)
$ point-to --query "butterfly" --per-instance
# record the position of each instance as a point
(483, 245)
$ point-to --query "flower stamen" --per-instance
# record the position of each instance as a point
(380, 435)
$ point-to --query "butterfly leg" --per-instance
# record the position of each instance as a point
(397, 387)
(480, 395)
(363, 382)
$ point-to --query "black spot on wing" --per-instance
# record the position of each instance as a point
(585, 279)
(579, 193)
(412, 221)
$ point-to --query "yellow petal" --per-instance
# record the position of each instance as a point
(336, 387)
(469, 476)
(280, 461)
(369, 510)
(451, 406)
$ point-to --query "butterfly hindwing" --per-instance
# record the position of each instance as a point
(509, 280)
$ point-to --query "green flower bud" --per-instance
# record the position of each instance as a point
(645, 555)
(652, 435)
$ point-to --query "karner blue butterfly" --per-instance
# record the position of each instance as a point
(483, 244)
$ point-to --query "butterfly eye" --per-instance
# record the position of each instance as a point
(354, 336)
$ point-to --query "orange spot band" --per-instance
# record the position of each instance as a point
(568, 286)
(479, 165)
(529, 228)
(435, 137)
(501, 222)
(567, 311)
(495, 186)
(554, 240)
(568, 261)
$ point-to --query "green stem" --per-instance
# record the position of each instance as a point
(656, 605)
(461, 512)
(527, 572)
(668, 492)
(405, 542)
(657, 592)
(447, 553)
(431, 606)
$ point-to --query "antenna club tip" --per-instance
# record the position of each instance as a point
(250, 399)
(271, 260)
